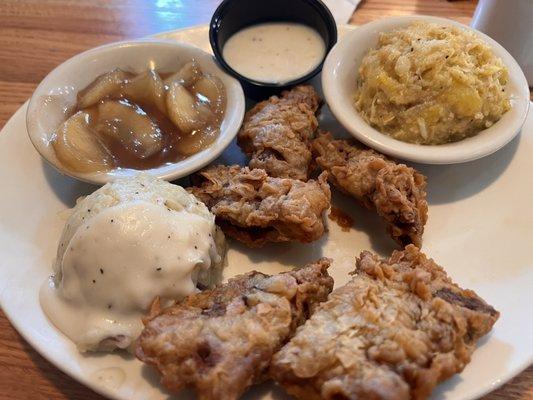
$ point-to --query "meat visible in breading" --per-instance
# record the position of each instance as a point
(276, 133)
(254, 208)
(395, 191)
(221, 341)
(396, 330)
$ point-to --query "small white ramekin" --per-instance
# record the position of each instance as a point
(60, 87)
(339, 83)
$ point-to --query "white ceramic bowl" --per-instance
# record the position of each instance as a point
(58, 90)
(339, 83)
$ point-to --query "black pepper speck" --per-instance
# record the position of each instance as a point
(158, 269)
(101, 271)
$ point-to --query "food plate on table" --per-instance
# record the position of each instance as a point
(479, 230)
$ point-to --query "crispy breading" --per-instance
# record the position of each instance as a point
(395, 191)
(221, 341)
(396, 330)
(255, 208)
(276, 133)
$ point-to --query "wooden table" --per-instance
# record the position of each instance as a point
(37, 35)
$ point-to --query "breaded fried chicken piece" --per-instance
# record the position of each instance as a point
(395, 191)
(255, 209)
(396, 330)
(221, 341)
(276, 133)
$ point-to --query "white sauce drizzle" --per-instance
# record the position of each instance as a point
(275, 52)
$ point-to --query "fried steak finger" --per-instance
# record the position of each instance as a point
(395, 191)
(221, 341)
(396, 330)
(276, 133)
(255, 208)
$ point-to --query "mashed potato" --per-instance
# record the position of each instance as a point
(431, 84)
(126, 244)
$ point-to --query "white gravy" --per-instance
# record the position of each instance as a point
(117, 262)
(275, 52)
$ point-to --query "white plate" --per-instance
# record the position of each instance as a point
(480, 228)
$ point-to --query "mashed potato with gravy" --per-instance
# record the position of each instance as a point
(124, 245)
(431, 84)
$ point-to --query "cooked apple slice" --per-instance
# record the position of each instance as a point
(129, 124)
(146, 88)
(192, 143)
(186, 76)
(79, 148)
(103, 86)
(184, 111)
(210, 88)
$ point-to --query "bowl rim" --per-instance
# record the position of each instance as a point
(214, 25)
(172, 171)
(468, 149)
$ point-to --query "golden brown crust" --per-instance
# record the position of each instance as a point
(221, 341)
(395, 191)
(396, 330)
(276, 133)
(254, 208)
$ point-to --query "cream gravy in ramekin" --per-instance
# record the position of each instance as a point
(274, 52)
